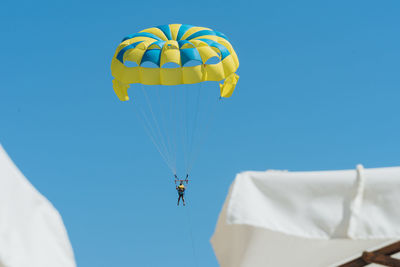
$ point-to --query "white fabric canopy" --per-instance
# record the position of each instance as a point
(281, 218)
(32, 233)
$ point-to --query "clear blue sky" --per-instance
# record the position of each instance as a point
(319, 89)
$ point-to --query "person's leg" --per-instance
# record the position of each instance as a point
(183, 200)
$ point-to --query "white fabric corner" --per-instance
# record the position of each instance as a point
(357, 204)
(32, 233)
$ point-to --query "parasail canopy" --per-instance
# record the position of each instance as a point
(174, 44)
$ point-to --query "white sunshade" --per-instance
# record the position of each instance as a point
(32, 233)
(281, 218)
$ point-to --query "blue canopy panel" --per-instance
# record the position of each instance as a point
(156, 45)
(121, 53)
(183, 42)
(224, 51)
(182, 30)
(189, 54)
(152, 55)
(166, 30)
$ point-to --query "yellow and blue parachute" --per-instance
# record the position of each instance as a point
(179, 44)
(175, 68)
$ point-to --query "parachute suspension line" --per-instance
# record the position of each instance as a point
(163, 126)
(169, 121)
(174, 122)
(155, 128)
(195, 126)
(162, 147)
(187, 129)
(163, 132)
(148, 129)
(185, 125)
(202, 136)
